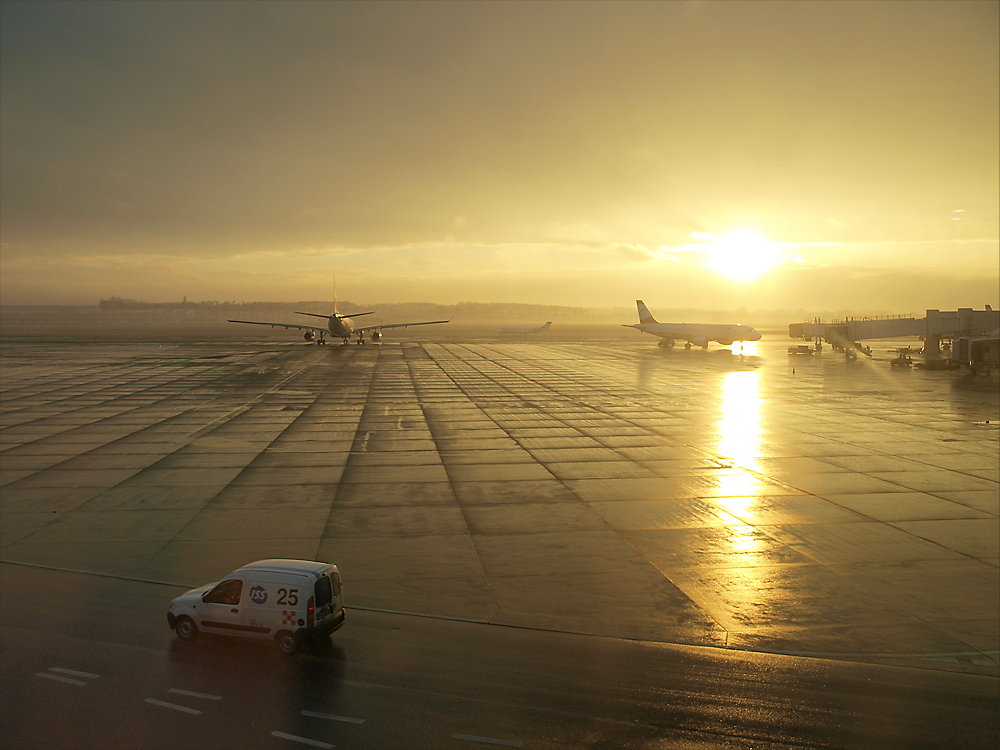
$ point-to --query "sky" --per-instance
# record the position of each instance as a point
(714, 154)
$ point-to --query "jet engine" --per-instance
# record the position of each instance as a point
(724, 342)
(376, 335)
(309, 335)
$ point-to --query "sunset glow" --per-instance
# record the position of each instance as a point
(743, 256)
(533, 153)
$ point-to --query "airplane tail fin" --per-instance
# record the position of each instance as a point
(546, 326)
(645, 316)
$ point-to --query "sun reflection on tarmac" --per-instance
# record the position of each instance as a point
(743, 539)
(746, 348)
(740, 427)
(743, 588)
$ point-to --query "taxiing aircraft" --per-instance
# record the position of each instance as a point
(698, 334)
(527, 329)
(341, 326)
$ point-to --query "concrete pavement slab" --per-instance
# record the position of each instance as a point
(687, 496)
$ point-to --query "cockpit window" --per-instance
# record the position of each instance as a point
(227, 592)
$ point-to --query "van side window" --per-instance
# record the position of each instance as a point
(227, 592)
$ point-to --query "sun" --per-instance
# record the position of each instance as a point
(743, 255)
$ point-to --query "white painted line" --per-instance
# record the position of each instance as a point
(74, 673)
(487, 740)
(174, 706)
(332, 717)
(303, 740)
(61, 679)
(193, 694)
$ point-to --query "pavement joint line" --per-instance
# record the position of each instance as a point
(95, 573)
(476, 621)
(332, 717)
(174, 706)
(303, 740)
(822, 654)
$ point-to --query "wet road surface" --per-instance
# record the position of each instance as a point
(787, 504)
(89, 662)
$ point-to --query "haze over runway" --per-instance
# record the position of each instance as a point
(821, 155)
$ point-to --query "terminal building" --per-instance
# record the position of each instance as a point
(972, 336)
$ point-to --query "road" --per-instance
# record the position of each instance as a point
(88, 661)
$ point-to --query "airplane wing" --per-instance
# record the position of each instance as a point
(318, 329)
(364, 329)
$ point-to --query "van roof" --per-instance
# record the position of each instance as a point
(287, 566)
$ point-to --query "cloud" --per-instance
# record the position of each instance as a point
(638, 253)
(491, 140)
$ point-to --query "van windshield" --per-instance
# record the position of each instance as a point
(324, 592)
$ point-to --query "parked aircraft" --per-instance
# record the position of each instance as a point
(341, 326)
(526, 329)
(698, 334)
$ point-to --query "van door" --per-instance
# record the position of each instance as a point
(323, 598)
(219, 611)
(273, 605)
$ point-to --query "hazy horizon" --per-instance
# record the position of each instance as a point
(711, 155)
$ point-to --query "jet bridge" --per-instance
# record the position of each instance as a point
(935, 327)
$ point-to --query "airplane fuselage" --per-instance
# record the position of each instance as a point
(700, 333)
(340, 326)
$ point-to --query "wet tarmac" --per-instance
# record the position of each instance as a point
(801, 504)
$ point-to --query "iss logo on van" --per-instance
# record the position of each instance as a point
(258, 595)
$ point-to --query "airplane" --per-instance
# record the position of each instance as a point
(340, 325)
(698, 334)
(527, 329)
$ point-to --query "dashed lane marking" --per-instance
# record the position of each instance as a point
(164, 704)
(60, 678)
(333, 717)
(206, 696)
(73, 672)
(303, 740)
(487, 740)
(60, 672)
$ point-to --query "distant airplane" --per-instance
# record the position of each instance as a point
(527, 329)
(698, 334)
(339, 325)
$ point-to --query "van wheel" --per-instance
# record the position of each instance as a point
(185, 628)
(287, 642)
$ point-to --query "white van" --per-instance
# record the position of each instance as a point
(288, 600)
